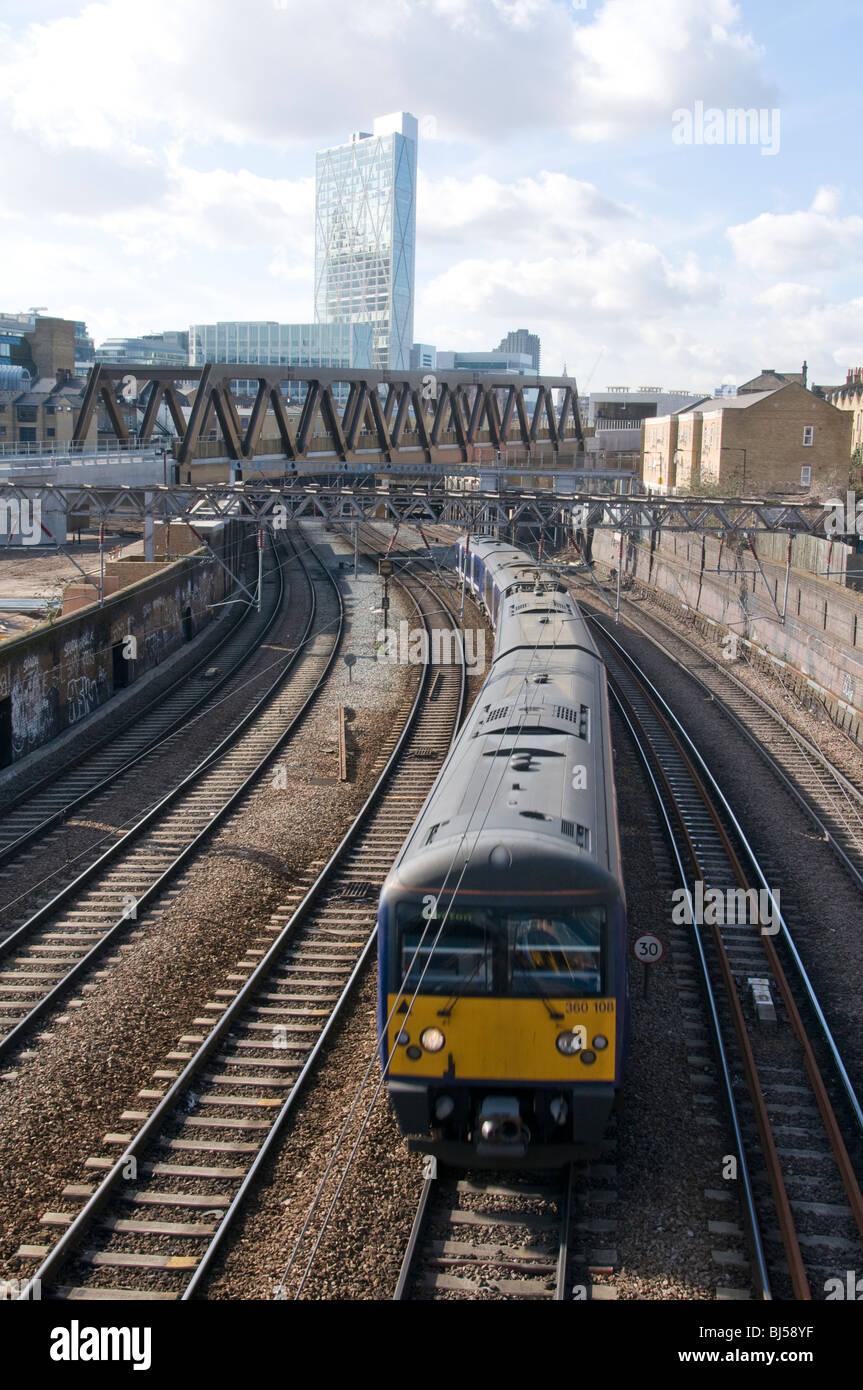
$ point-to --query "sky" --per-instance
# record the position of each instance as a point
(579, 175)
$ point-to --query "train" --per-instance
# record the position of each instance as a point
(503, 996)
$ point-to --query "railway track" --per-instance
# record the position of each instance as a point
(828, 796)
(219, 1105)
(52, 800)
(795, 1117)
(489, 1237)
(55, 948)
(545, 1235)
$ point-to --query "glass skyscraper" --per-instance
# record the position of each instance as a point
(365, 236)
(262, 343)
(281, 344)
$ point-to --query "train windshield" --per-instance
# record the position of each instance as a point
(495, 951)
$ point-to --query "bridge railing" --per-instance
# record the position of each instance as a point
(66, 449)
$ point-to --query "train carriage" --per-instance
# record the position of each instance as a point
(503, 1003)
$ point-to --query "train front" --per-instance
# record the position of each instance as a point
(502, 999)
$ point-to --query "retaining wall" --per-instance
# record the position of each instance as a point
(818, 647)
(55, 676)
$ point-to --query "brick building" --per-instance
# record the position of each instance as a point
(41, 408)
(769, 379)
(783, 439)
(658, 451)
(850, 397)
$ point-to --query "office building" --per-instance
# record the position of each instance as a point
(265, 343)
(423, 357)
(365, 236)
(169, 349)
(519, 340)
(505, 363)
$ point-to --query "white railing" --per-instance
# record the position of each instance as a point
(64, 448)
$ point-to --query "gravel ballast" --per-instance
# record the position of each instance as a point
(71, 1090)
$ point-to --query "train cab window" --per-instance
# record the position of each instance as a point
(488, 951)
(455, 959)
(559, 954)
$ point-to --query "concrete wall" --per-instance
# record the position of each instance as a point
(56, 675)
(819, 647)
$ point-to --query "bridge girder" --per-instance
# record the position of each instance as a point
(375, 498)
(417, 411)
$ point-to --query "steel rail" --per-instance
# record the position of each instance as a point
(788, 940)
(816, 1081)
(321, 881)
(809, 748)
(432, 1187)
(151, 1127)
(773, 1165)
(756, 1238)
(38, 1010)
(14, 847)
(403, 1284)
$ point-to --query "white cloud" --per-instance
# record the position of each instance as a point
(637, 62)
(827, 200)
(798, 242)
(832, 330)
(620, 293)
(620, 280)
(488, 69)
(789, 297)
(551, 207)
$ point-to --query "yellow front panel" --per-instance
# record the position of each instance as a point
(503, 1039)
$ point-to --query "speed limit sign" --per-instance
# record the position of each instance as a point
(648, 948)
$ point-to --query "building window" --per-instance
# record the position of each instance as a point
(808, 435)
(805, 477)
(50, 433)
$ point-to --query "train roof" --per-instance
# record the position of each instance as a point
(510, 774)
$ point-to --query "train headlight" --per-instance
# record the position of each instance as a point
(588, 1057)
(432, 1039)
(600, 1043)
(570, 1043)
(403, 1038)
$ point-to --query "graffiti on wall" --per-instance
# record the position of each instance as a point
(83, 695)
(32, 713)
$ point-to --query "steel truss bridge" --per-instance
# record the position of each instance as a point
(444, 500)
(351, 416)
